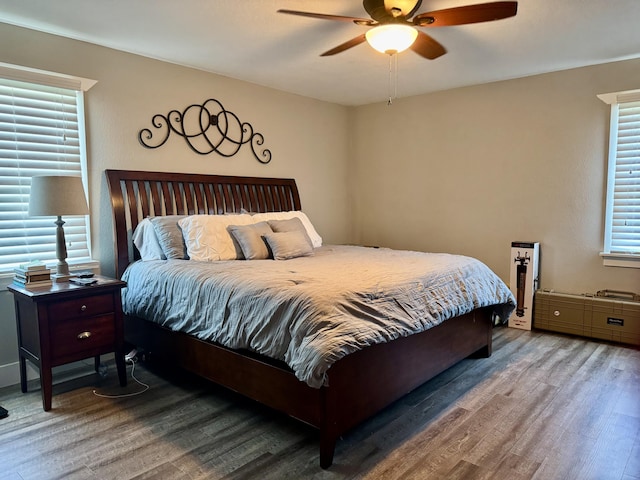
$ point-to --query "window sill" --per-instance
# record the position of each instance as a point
(6, 278)
(628, 260)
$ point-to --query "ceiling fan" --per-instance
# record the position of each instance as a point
(394, 18)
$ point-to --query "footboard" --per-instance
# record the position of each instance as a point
(360, 385)
(365, 382)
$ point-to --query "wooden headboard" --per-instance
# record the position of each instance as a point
(138, 194)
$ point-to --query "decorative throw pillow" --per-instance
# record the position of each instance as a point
(146, 241)
(170, 236)
(207, 238)
(249, 237)
(316, 239)
(290, 225)
(286, 245)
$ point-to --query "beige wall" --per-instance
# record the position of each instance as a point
(470, 170)
(464, 171)
(308, 138)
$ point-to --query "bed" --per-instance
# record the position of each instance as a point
(355, 385)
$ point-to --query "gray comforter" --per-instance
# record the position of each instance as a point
(312, 311)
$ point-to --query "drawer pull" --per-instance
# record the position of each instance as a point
(83, 308)
(84, 335)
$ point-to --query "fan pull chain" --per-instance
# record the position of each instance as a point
(393, 78)
(389, 102)
(395, 71)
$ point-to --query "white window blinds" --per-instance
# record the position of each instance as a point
(40, 134)
(622, 233)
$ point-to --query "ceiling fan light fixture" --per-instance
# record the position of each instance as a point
(391, 38)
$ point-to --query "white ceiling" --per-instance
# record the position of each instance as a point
(248, 40)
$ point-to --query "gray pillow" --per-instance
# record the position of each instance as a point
(249, 237)
(170, 236)
(286, 245)
(290, 225)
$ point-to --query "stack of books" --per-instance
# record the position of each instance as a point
(32, 274)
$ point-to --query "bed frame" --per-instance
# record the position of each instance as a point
(360, 384)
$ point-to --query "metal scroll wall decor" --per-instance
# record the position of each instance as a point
(206, 128)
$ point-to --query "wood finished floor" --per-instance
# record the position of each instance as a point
(544, 406)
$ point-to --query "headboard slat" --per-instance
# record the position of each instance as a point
(241, 192)
(201, 204)
(176, 193)
(130, 200)
(167, 200)
(253, 199)
(208, 196)
(155, 198)
(138, 194)
(144, 201)
(268, 197)
(189, 191)
(227, 205)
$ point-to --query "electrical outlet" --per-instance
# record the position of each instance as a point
(131, 356)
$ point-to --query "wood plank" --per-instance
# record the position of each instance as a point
(543, 406)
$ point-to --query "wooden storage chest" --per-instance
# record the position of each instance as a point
(605, 318)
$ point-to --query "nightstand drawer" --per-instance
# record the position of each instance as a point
(78, 336)
(82, 307)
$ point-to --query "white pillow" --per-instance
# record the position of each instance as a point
(207, 238)
(316, 240)
(146, 241)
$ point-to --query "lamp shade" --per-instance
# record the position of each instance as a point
(57, 196)
(391, 38)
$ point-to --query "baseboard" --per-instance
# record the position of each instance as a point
(10, 373)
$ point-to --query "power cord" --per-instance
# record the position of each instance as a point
(131, 359)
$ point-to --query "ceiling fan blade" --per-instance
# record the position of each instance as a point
(483, 12)
(323, 16)
(427, 47)
(346, 45)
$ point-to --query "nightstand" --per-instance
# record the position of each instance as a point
(63, 323)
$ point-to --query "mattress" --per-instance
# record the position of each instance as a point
(311, 311)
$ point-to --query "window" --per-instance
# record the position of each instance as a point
(622, 219)
(41, 133)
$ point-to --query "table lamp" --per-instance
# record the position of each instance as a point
(57, 196)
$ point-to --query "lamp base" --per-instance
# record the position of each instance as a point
(60, 278)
